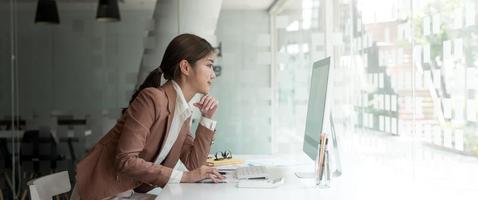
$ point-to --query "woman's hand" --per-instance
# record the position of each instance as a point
(207, 105)
(201, 173)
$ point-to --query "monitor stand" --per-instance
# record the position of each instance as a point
(338, 170)
(338, 164)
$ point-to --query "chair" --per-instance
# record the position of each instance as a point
(33, 155)
(6, 171)
(6, 182)
(46, 187)
(33, 151)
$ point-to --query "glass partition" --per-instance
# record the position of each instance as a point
(404, 85)
(63, 85)
(10, 121)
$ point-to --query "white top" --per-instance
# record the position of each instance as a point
(182, 111)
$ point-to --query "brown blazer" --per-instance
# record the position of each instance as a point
(124, 158)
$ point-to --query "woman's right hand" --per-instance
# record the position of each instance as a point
(207, 105)
(201, 173)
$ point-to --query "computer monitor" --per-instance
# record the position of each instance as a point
(319, 118)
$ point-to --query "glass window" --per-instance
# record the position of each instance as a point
(404, 83)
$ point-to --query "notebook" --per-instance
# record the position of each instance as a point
(231, 161)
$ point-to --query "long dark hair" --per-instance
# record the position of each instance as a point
(183, 47)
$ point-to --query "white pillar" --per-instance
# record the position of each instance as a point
(171, 18)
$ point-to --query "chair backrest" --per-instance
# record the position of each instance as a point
(37, 146)
(46, 187)
(5, 154)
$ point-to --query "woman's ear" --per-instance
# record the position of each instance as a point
(185, 67)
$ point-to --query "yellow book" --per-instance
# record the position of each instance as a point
(231, 161)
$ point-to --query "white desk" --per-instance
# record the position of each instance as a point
(368, 174)
(293, 187)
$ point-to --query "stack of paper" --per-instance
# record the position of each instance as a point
(230, 161)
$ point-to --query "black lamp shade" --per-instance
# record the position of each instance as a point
(108, 11)
(47, 12)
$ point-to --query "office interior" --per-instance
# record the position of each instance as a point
(404, 84)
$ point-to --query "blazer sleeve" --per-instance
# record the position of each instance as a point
(195, 150)
(140, 116)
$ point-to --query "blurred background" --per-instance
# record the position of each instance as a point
(405, 82)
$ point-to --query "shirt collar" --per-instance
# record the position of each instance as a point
(182, 106)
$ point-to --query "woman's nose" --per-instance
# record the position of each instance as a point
(213, 74)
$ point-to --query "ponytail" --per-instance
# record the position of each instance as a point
(152, 80)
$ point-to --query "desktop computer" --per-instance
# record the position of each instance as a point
(319, 120)
(319, 116)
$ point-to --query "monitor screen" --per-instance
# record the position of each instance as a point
(316, 108)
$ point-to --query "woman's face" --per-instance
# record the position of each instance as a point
(203, 74)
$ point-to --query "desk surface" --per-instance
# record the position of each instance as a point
(367, 176)
(292, 188)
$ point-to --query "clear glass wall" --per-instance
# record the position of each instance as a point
(404, 87)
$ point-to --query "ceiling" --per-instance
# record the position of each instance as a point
(77, 1)
(226, 4)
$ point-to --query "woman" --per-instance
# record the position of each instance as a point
(154, 132)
